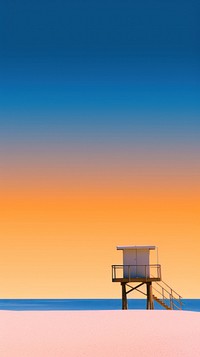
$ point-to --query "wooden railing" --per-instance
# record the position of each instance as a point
(136, 272)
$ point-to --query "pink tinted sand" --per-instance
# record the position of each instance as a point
(99, 333)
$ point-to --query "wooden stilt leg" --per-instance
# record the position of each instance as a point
(149, 296)
(124, 297)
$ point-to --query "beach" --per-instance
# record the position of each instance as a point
(99, 333)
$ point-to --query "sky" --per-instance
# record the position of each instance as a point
(99, 143)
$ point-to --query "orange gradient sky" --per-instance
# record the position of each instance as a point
(60, 226)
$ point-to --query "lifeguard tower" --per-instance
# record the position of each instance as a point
(137, 268)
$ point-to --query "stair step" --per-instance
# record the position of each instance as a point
(159, 301)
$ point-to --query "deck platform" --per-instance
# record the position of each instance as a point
(135, 280)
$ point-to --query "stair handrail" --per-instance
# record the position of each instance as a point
(172, 290)
(168, 301)
(171, 295)
(178, 307)
(161, 294)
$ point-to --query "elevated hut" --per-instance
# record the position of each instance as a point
(137, 269)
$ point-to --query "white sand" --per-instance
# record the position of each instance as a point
(99, 333)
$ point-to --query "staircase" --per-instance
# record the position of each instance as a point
(159, 301)
(166, 296)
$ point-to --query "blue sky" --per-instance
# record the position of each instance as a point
(94, 65)
(100, 29)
